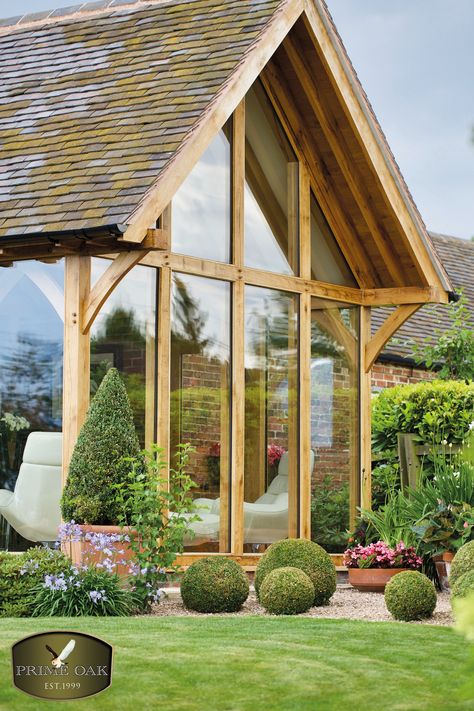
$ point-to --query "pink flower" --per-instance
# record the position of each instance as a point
(465, 524)
(274, 454)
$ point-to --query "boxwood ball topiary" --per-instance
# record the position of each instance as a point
(305, 555)
(287, 591)
(410, 596)
(463, 561)
(463, 586)
(98, 462)
(214, 585)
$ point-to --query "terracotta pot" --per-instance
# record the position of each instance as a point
(372, 579)
(82, 551)
(443, 562)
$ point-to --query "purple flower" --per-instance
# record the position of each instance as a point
(97, 595)
(55, 582)
(69, 531)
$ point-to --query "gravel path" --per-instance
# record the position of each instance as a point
(346, 603)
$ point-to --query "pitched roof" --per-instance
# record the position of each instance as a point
(457, 256)
(94, 105)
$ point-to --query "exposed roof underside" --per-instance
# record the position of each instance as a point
(457, 256)
(99, 109)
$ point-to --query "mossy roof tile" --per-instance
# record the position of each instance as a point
(94, 105)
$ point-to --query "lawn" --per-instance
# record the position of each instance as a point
(249, 663)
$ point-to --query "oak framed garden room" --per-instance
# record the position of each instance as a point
(215, 217)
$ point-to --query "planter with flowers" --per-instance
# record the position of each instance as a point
(372, 566)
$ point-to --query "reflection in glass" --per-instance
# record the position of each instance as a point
(123, 337)
(334, 421)
(271, 413)
(327, 261)
(31, 360)
(201, 207)
(271, 189)
(200, 400)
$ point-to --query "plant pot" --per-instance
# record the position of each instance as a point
(372, 579)
(443, 562)
(82, 551)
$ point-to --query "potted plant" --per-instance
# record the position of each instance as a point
(372, 566)
(99, 462)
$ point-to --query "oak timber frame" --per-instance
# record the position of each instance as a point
(142, 245)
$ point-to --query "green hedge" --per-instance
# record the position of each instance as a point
(214, 585)
(410, 596)
(305, 555)
(20, 574)
(106, 440)
(287, 591)
(435, 411)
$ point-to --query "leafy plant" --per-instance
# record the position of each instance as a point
(385, 479)
(20, 574)
(330, 514)
(450, 351)
(98, 462)
(391, 522)
(160, 512)
(435, 411)
(83, 592)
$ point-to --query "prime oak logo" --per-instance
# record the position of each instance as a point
(62, 665)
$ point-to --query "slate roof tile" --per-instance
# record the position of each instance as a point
(457, 257)
(93, 106)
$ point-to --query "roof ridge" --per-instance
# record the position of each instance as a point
(453, 238)
(74, 12)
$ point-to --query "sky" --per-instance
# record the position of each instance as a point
(415, 59)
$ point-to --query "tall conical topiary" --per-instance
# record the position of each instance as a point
(107, 436)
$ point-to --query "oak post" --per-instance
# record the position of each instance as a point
(365, 410)
(76, 375)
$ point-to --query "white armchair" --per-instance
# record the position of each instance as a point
(33, 508)
(265, 520)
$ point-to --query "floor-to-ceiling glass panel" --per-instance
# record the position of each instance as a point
(271, 189)
(201, 207)
(200, 400)
(123, 337)
(334, 421)
(271, 417)
(31, 382)
(327, 261)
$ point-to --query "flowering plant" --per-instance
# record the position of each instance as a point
(274, 454)
(86, 591)
(380, 555)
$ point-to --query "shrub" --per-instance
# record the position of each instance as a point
(410, 596)
(330, 514)
(305, 555)
(214, 585)
(85, 592)
(463, 562)
(20, 574)
(106, 438)
(435, 411)
(160, 511)
(287, 591)
(463, 586)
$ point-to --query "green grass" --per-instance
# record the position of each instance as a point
(251, 663)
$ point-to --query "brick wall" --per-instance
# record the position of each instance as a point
(387, 375)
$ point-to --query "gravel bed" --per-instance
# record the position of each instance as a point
(346, 603)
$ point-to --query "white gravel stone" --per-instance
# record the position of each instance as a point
(346, 603)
